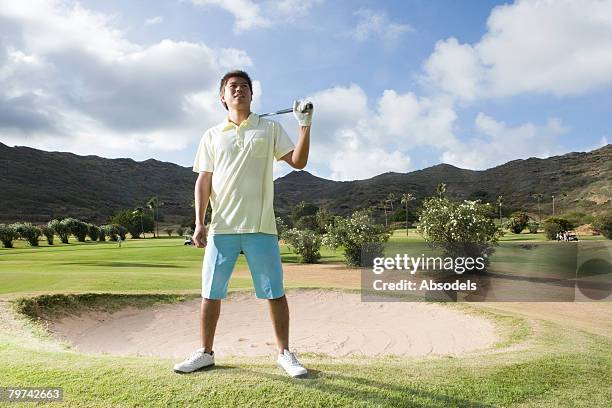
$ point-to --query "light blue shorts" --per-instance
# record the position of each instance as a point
(262, 254)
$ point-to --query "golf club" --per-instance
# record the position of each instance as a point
(283, 111)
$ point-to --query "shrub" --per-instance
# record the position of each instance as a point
(61, 228)
(518, 222)
(355, 232)
(93, 231)
(603, 223)
(135, 223)
(109, 231)
(169, 231)
(77, 228)
(7, 235)
(49, 233)
(180, 231)
(305, 243)
(281, 227)
(29, 232)
(533, 227)
(463, 229)
(553, 225)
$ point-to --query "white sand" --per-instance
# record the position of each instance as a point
(322, 321)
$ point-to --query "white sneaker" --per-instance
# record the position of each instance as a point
(288, 362)
(198, 360)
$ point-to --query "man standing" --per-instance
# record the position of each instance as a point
(234, 162)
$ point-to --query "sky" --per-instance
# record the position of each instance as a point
(397, 85)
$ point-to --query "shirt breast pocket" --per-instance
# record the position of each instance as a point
(259, 148)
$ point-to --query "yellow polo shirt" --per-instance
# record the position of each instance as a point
(240, 158)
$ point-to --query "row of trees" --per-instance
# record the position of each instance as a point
(61, 228)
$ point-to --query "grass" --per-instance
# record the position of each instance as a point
(536, 363)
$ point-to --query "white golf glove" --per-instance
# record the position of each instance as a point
(302, 110)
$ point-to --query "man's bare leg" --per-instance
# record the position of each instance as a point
(279, 312)
(209, 314)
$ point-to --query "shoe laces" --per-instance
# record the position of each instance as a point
(196, 356)
(291, 358)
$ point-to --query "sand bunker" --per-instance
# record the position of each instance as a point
(328, 322)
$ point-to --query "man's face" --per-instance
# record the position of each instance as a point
(237, 94)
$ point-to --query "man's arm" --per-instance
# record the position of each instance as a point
(298, 157)
(203, 187)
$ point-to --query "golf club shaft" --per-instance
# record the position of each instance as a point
(283, 111)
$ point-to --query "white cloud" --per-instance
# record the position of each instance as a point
(351, 140)
(69, 80)
(248, 14)
(154, 20)
(501, 143)
(549, 47)
(377, 24)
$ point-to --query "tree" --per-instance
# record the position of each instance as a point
(153, 204)
(553, 225)
(539, 196)
(180, 231)
(303, 209)
(7, 235)
(61, 228)
(78, 228)
(406, 199)
(93, 231)
(603, 223)
(169, 231)
(135, 222)
(383, 204)
(518, 222)
(49, 233)
(29, 232)
(499, 202)
(391, 199)
(533, 227)
(325, 219)
(441, 190)
(460, 229)
(306, 243)
(354, 234)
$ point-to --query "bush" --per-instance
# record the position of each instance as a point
(109, 231)
(303, 209)
(49, 233)
(281, 227)
(305, 243)
(29, 232)
(77, 228)
(603, 223)
(518, 222)
(93, 231)
(553, 225)
(169, 231)
(7, 235)
(533, 227)
(132, 222)
(61, 228)
(180, 231)
(460, 229)
(355, 232)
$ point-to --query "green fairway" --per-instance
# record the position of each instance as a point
(536, 363)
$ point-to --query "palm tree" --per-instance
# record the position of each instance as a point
(553, 199)
(391, 199)
(383, 203)
(138, 212)
(441, 189)
(153, 204)
(406, 198)
(538, 197)
(499, 202)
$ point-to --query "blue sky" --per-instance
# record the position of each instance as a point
(397, 85)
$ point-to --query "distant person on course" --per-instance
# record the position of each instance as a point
(234, 162)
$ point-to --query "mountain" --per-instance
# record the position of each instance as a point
(37, 186)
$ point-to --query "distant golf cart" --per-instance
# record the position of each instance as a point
(571, 236)
(188, 240)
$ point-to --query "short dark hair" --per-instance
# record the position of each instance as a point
(235, 74)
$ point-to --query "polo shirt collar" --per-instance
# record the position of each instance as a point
(251, 121)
